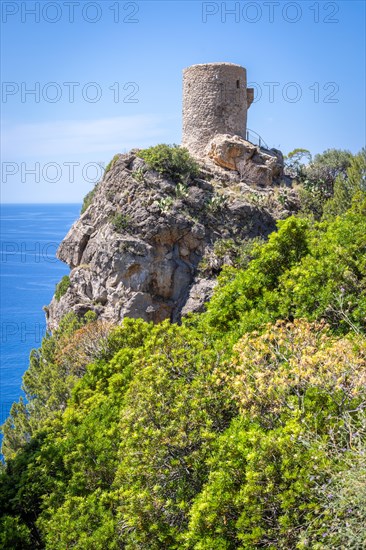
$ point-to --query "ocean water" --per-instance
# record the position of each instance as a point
(29, 271)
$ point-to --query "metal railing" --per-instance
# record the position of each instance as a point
(256, 139)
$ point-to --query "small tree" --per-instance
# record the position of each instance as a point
(321, 174)
(295, 164)
(346, 187)
(318, 180)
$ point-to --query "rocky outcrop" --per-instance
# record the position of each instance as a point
(254, 165)
(200, 292)
(136, 251)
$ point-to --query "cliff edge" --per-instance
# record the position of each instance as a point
(138, 249)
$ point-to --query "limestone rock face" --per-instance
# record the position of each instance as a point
(255, 165)
(200, 292)
(136, 251)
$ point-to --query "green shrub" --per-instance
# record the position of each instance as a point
(111, 163)
(302, 271)
(322, 172)
(238, 254)
(216, 203)
(342, 500)
(347, 187)
(295, 162)
(311, 204)
(165, 203)
(88, 200)
(14, 534)
(317, 177)
(181, 191)
(259, 489)
(139, 175)
(171, 161)
(120, 221)
(62, 286)
(227, 252)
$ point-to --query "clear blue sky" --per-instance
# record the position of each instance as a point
(134, 53)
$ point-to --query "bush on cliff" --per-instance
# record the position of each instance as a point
(62, 286)
(88, 199)
(171, 161)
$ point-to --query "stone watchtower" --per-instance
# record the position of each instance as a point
(215, 101)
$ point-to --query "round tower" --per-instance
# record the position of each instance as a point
(215, 101)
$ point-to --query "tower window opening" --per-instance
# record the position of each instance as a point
(238, 84)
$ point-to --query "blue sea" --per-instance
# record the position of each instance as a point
(29, 271)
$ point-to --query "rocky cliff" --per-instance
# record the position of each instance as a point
(137, 249)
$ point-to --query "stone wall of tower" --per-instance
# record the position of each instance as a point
(215, 101)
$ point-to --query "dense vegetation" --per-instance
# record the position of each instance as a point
(242, 428)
